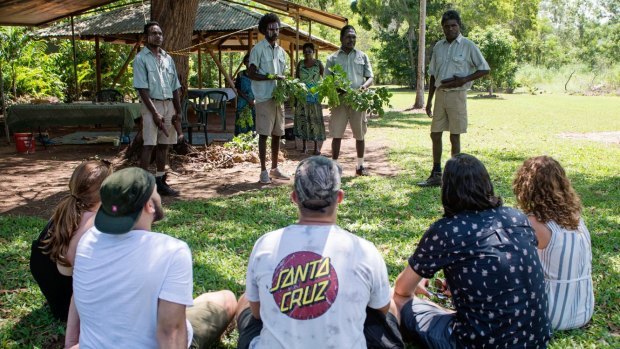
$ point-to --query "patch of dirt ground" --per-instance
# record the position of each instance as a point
(605, 137)
(32, 184)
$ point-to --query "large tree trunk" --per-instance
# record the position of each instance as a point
(176, 19)
(419, 96)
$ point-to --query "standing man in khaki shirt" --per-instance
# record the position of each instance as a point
(357, 66)
(155, 77)
(267, 65)
(455, 63)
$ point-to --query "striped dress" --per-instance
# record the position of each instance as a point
(567, 264)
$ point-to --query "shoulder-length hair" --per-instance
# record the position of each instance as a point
(542, 189)
(466, 186)
(83, 196)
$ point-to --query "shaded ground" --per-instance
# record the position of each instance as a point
(32, 184)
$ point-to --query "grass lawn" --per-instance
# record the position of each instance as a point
(391, 212)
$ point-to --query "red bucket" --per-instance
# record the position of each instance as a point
(24, 142)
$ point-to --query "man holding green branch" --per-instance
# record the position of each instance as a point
(359, 71)
(268, 64)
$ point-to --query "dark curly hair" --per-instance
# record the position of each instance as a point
(150, 24)
(543, 190)
(466, 186)
(265, 20)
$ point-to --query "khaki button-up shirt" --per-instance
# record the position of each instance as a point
(460, 58)
(159, 76)
(356, 64)
(268, 60)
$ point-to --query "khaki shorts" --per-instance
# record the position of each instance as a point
(344, 114)
(209, 321)
(151, 134)
(269, 118)
(450, 111)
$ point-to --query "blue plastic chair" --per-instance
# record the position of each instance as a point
(215, 102)
(197, 104)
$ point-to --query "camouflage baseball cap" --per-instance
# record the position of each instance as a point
(317, 181)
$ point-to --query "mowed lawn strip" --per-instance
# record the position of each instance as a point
(390, 211)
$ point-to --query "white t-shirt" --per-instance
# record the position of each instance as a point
(117, 281)
(314, 283)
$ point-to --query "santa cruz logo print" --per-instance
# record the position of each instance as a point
(304, 285)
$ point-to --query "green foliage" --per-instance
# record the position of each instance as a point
(496, 45)
(332, 86)
(337, 89)
(244, 142)
(370, 100)
(29, 69)
(392, 58)
(113, 57)
(245, 120)
(289, 88)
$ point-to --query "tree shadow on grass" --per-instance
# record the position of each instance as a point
(39, 329)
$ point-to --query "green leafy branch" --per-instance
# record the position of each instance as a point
(290, 88)
(245, 118)
(336, 88)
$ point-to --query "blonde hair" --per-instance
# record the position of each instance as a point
(83, 196)
(544, 191)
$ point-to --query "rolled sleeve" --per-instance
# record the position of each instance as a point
(432, 65)
(140, 77)
(328, 64)
(176, 84)
(178, 284)
(381, 291)
(367, 68)
(254, 59)
(478, 60)
(251, 285)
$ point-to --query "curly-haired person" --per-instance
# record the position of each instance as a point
(553, 207)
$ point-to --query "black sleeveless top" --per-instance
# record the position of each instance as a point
(56, 288)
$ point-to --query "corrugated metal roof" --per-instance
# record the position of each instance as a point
(125, 20)
(212, 15)
(126, 24)
(224, 16)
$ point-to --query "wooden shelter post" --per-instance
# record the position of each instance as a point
(77, 88)
(218, 62)
(290, 57)
(3, 110)
(221, 69)
(296, 39)
(98, 63)
(124, 67)
(230, 63)
(200, 59)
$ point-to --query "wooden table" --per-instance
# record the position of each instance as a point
(30, 117)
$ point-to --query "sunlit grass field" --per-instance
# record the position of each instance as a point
(390, 211)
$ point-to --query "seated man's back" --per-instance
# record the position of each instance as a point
(118, 280)
(314, 283)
